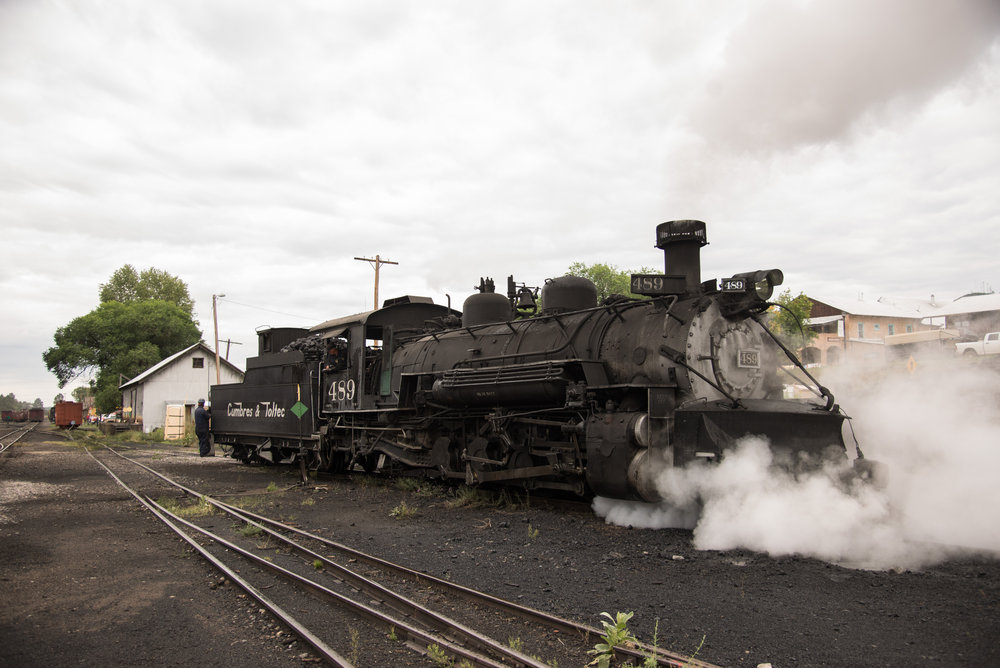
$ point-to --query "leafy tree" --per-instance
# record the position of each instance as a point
(59, 397)
(128, 286)
(81, 393)
(789, 322)
(119, 340)
(609, 279)
(9, 402)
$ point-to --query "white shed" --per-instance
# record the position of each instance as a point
(179, 380)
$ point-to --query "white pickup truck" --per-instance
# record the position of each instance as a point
(990, 345)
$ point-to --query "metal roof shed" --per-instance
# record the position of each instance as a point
(180, 379)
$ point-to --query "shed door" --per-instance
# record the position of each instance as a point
(173, 426)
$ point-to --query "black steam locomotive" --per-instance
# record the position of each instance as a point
(574, 395)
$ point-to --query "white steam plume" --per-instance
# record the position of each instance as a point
(937, 432)
(804, 73)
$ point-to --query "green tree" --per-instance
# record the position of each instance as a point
(81, 393)
(609, 279)
(9, 402)
(129, 286)
(789, 320)
(119, 340)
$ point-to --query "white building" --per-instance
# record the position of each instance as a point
(178, 382)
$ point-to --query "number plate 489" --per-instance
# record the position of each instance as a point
(748, 359)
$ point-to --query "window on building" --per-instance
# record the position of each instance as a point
(861, 330)
(197, 362)
(877, 326)
(892, 330)
(909, 328)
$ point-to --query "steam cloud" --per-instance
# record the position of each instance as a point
(937, 434)
(801, 73)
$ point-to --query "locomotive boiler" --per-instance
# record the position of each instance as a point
(572, 395)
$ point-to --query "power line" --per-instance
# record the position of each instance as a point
(261, 308)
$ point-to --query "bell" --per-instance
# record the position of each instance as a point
(525, 299)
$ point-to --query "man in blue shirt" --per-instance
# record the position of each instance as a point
(202, 421)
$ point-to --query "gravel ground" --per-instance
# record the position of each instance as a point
(90, 578)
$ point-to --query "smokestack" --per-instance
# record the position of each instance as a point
(681, 242)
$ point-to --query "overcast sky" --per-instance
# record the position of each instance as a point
(255, 148)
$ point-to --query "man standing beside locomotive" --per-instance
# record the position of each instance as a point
(202, 420)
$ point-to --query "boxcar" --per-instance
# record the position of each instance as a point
(69, 414)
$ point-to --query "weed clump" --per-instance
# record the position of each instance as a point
(403, 511)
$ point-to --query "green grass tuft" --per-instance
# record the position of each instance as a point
(403, 511)
(187, 509)
(249, 530)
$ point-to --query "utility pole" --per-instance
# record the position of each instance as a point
(376, 262)
(230, 342)
(215, 319)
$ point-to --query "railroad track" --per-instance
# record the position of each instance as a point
(395, 603)
(15, 434)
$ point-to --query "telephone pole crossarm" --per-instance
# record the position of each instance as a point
(376, 262)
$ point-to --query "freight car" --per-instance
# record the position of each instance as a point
(575, 396)
(68, 414)
(14, 416)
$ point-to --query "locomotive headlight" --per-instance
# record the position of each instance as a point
(749, 291)
(764, 282)
(760, 283)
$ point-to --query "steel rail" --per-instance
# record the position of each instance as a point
(321, 648)
(403, 606)
(640, 651)
(360, 608)
(16, 435)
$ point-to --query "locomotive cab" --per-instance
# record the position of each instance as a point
(362, 380)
